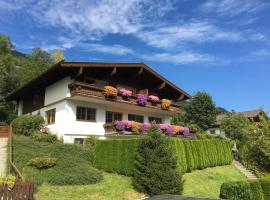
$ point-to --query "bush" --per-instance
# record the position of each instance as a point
(43, 137)
(73, 163)
(118, 155)
(256, 190)
(27, 124)
(90, 144)
(236, 191)
(155, 166)
(42, 162)
(265, 184)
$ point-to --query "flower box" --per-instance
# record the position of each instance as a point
(110, 92)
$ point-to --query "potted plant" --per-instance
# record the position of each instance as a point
(165, 104)
(153, 99)
(141, 99)
(110, 92)
(126, 94)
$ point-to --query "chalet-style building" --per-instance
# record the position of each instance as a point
(253, 116)
(71, 97)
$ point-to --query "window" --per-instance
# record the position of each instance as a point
(113, 116)
(157, 120)
(50, 116)
(85, 114)
(136, 118)
(78, 141)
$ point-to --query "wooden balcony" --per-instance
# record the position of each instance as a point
(86, 90)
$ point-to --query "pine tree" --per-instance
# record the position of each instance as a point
(156, 166)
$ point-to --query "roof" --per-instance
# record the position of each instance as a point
(248, 114)
(63, 68)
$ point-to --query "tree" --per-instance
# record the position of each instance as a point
(5, 44)
(200, 110)
(236, 126)
(221, 110)
(155, 166)
(57, 56)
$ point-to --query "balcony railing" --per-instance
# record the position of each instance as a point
(86, 90)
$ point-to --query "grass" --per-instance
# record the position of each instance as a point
(113, 186)
(207, 182)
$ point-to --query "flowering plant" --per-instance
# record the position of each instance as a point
(169, 130)
(165, 104)
(127, 123)
(141, 99)
(125, 93)
(176, 129)
(120, 125)
(145, 127)
(153, 98)
(135, 127)
(110, 91)
(163, 127)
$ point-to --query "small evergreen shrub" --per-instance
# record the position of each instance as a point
(44, 137)
(90, 144)
(42, 162)
(27, 124)
(236, 191)
(156, 166)
(256, 190)
(265, 184)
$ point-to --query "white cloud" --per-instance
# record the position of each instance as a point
(261, 53)
(179, 58)
(170, 36)
(110, 49)
(234, 7)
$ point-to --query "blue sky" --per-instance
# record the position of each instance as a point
(218, 46)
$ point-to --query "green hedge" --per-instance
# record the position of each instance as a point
(245, 190)
(118, 155)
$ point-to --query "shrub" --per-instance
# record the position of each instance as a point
(236, 191)
(155, 166)
(27, 124)
(90, 144)
(9, 181)
(73, 162)
(43, 137)
(42, 162)
(256, 190)
(265, 184)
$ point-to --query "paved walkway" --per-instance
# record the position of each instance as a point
(245, 171)
(3, 155)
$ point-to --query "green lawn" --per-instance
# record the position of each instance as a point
(113, 186)
(207, 182)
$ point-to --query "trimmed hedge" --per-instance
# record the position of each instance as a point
(239, 190)
(118, 155)
(245, 190)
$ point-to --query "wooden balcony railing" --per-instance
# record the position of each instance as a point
(86, 90)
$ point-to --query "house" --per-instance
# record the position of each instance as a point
(253, 116)
(70, 96)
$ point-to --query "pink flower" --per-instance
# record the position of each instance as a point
(124, 92)
(153, 98)
(163, 126)
(145, 126)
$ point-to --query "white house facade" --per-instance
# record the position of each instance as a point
(71, 99)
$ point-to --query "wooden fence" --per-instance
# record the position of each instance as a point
(4, 131)
(23, 190)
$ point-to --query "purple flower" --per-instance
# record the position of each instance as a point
(119, 125)
(153, 98)
(144, 127)
(124, 92)
(169, 130)
(163, 126)
(127, 123)
(141, 99)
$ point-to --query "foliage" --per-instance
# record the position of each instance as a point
(44, 137)
(111, 155)
(165, 104)
(236, 191)
(110, 91)
(90, 144)
(9, 180)
(221, 110)
(5, 44)
(207, 182)
(256, 190)
(57, 56)
(73, 163)
(42, 162)
(236, 126)
(141, 99)
(156, 166)
(265, 184)
(27, 124)
(200, 110)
